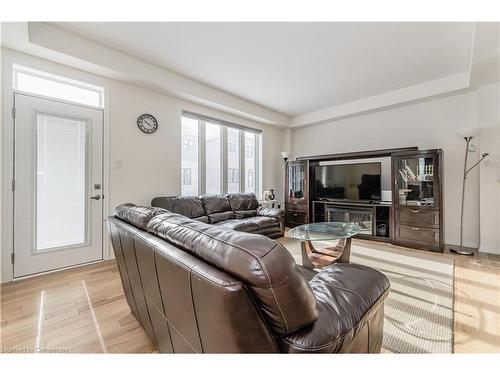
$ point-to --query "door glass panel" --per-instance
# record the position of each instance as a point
(189, 157)
(250, 162)
(213, 158)
(61, 181)
(233, 160)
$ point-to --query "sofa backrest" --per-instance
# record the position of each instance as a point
(243, 205)
(138, 216)
(263, 265)
(191, 206)
(211, 208)
(217, 208)
(185, 304)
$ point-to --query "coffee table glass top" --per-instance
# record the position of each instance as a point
(332, 230)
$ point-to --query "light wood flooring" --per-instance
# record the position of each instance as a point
(83, 310)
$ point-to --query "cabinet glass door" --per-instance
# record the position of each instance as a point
(296, 181)
(415, 176)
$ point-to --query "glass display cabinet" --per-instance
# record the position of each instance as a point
(417, 198)
(415, 180)
(297, 180)
(297, 193)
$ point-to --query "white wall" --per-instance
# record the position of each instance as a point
(150, 163)
(153, 166)
(429, 124)
(489, 119)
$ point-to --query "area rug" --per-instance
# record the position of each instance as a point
(419, 307)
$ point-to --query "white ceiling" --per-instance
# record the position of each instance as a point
(294, 68)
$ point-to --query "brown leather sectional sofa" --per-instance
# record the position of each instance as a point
(239, 212)
(202, 288)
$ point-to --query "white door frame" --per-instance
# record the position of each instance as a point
(7, 163)
(29, 261)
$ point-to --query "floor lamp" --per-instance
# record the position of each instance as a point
(468, 135)
(285, 155)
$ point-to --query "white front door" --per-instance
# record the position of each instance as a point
(58, 202)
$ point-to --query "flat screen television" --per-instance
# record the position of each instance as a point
(348, 182)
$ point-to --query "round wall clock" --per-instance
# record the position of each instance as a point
(147, 123)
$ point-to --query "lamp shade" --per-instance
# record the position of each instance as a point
(491, 159)
(285, 154)
(469, 132)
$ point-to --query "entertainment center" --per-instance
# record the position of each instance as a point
(348, 187)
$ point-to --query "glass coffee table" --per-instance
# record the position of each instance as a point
(317, 258)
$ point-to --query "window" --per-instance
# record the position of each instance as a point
(250, 180)
(233, 176)
(233, 160)
(188, 143)
(212, 158)
(250, 161)
(46, 84)
(186, 176)
(221, 157)
(189, 157)
(249, 151)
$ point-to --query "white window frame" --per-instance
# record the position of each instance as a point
(224, 126)
(16, 69)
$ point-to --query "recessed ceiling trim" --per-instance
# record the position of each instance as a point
(138, 72)
(70, 46)
(431, 88)
(293, 68)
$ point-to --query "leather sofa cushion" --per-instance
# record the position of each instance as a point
(250, 224)
(264, 221)
(243, 205)
(241, 225)
(345, 294)
(271, 212)
(191, 207)
(138, 216)
(245, 214)
(269, 271)
(243, 202)
(217, 208)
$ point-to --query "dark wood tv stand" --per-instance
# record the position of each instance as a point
(411, 219)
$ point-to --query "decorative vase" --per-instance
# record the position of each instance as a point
(272, 195)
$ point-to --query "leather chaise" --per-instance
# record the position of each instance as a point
(203, 288)
(240, 212)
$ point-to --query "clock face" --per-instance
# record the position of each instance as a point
(147, 123)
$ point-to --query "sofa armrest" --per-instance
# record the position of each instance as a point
(277, 213)
(350, 300)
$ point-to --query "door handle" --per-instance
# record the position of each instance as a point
(96, 197)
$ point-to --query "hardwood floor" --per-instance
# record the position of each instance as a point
(477, 304)
(83, 310)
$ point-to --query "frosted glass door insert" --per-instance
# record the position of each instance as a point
(61, 181)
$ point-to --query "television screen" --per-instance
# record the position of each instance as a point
(351, 182)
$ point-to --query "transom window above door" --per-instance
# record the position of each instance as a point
(219, 157)
(49, 85)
